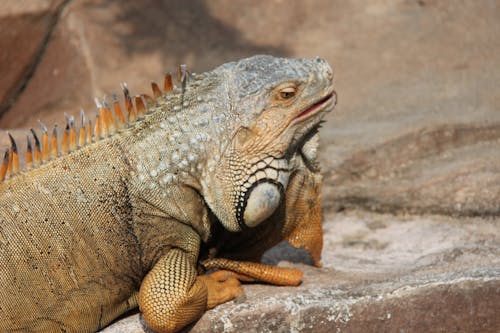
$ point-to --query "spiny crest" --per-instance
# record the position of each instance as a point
(108, 121)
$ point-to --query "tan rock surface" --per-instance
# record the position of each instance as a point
(25, 29)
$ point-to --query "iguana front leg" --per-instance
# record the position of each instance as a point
(248, 271)
(303, 222)
(172, 295)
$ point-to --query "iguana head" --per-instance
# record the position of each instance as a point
(276, 106)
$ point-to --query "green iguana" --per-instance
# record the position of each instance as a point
(133, 208)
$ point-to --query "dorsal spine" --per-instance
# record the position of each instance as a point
(107, 122)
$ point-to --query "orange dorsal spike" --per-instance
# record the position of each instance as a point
(5, 165)
(9, 162)
(120, 120)
(168, 86)
(81, 136)
(45, 143)
(150, 102)
(15, 162)
(110, 121)
(68, 142)
(82, 131)
(90, 135)
(156, 91)
(104, 125)
(65, 140)
(97, 128)
(13, 156)
(53, 144)
(100, 121)
(29, 153)
(141, 108)
(132, 116)
(72, 135)
(37, 156)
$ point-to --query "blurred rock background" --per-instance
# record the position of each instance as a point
(411, 154)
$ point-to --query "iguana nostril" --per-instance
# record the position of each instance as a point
(261, 204)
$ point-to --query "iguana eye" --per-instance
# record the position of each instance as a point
(288, 92)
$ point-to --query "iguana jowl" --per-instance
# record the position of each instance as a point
(129, 212)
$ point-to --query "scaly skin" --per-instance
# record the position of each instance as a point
(297, 221)
(215, 174)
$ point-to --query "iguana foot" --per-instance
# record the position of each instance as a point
(222, 286)
(171, 294)
(251, 271)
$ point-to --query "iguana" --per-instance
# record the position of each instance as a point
(134, 208)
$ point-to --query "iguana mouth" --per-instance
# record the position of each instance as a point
(317, 107)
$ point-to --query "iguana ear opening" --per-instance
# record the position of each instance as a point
(243, 135)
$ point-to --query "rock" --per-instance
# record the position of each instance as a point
(417, 123)
(25, 28)
(60, 81)
(380, 273)
(447, 169)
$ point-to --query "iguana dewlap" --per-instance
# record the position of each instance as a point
(130, 209)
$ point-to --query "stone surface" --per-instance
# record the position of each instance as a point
(446, 169)
(25, 28)
(416, 131)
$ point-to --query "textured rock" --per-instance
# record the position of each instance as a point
(25, 28)
(447, 169)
